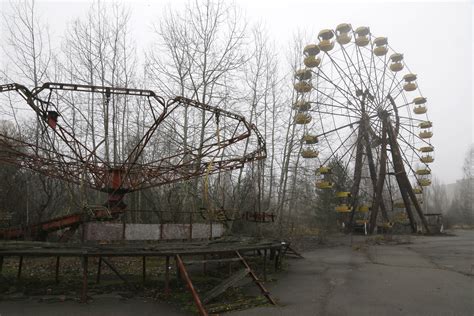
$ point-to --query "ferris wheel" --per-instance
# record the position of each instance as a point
(359, 103)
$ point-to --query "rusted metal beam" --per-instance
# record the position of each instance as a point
(255, 279)
(205, 261)
(373, 171)
(195, 295)
(417, 206)
(378, 192)
(59, 223)
(403, 181)
(357, 173)
(72, 171)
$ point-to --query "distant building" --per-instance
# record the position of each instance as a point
(455, 188)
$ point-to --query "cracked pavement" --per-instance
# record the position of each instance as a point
(430, 275)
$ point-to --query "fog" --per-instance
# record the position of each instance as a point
(435, 37)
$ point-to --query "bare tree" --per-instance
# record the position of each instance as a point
(436, 197)
(292, 145)
(29, 55)
(197, 54)
(27, 44)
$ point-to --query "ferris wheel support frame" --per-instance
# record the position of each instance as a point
(378, 188)
(357, 173)
(406, 190)
(388, 137)
(373, 172)
(402, 178)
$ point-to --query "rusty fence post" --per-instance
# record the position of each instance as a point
(123, 227)
(167, 276)
(56, 279)
(190, 226)
(20, 266)
(265, 265)
(144, 270)
(277, 257)
(99, 269)
(204, 265)
(84, 279)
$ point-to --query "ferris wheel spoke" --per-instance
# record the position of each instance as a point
(334, 152)
(414, 150)
(344, 92)
(337, 101)
(362, 81)
(411, 118)
(353, 151)
(401, 106)
(359, 54)
(325, 133)
(335, 113)
(388, 182)
(372, 66)
(374, 127)
(415, 136)
(408, 125)
(381, 83)
(346, 58)
(329, 105)
(407, 161)
(392, 82)
(397, 88)
(343, 74)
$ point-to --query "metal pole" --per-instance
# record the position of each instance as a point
(185, 275)
(99, 270)
(84, 279)
(190, 226)
(144, 269)
(57, 270)
(167, 276)
(277, 256)
(204, 265)
(265, 265)
(20, 265)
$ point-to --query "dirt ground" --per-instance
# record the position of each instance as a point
(406, 275)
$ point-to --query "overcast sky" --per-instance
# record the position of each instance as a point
(436, 39)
